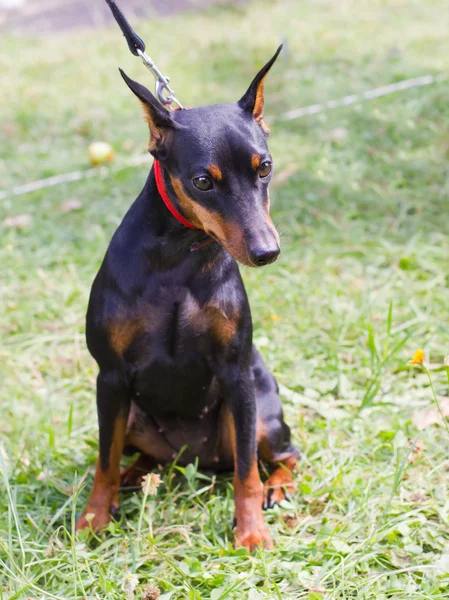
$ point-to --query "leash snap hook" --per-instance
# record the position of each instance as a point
(164, 93)
(161, 89)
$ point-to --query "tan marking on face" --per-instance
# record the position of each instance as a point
(255, 161)
(215, 172)
(186, 203)
(211, 222)
(230, 235)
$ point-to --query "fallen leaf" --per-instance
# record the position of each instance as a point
(151, 592)
(290, 520)
(70, 205)
(431, 415)
(18, 222)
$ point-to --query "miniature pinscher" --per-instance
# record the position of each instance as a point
(169, 322)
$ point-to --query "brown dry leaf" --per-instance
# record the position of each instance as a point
(431, 415)
(290, 520)
(70, 205)
(151, 592)
(18, 222)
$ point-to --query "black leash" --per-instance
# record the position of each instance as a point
(164, 92)
(134, 41)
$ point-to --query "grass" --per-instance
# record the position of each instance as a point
(361, 201)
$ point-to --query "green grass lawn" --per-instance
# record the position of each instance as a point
(360, 198)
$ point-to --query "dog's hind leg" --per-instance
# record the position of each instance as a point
(132, 476)
(273, 436)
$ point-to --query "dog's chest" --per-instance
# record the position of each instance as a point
(178, 326)
(173, 350)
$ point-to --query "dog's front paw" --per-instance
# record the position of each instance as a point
(252, 538)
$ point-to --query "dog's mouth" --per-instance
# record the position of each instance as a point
(241, 254)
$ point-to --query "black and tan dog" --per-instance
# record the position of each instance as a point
(170, 328)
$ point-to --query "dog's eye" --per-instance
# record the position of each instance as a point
(203, 183)
(265, 169)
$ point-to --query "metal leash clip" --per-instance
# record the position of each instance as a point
(164, 93)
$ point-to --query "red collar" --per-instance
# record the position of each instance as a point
(165, 197)
(160, 184)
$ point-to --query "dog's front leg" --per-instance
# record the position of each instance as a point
(251, 530)
(113, 402)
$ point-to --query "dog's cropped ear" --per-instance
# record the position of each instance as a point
(253, 100)
(160, 120)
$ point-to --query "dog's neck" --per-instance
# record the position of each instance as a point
(169, 242)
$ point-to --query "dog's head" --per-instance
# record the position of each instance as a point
(218, 166)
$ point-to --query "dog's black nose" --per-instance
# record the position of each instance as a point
(261, 257)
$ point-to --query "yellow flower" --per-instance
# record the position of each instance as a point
(150, 483)
(418, 357)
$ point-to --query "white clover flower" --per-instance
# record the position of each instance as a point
(130, 582)
(150, 483)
